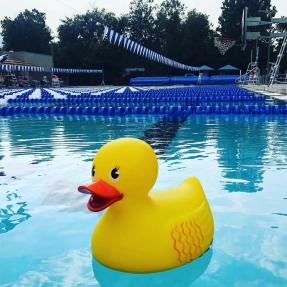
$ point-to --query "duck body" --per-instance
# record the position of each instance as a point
(155, 231)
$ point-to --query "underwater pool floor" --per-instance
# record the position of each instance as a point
(45, 227)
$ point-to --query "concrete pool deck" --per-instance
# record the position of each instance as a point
(277, 91)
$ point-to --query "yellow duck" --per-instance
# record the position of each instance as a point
(144, 231)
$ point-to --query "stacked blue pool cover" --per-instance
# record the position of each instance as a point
(185, 80)
(169, 101)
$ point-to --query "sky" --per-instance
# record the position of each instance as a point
(59, 9)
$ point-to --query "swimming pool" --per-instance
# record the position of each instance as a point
(45, 227)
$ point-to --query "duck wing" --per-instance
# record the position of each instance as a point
(190, 221)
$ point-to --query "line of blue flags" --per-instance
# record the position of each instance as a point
(20, 68)
(76, 71)
(3, 58)
(135, 48)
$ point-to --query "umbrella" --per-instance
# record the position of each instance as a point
(205, 68)
(228, 68)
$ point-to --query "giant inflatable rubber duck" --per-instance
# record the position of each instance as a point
(143, 231)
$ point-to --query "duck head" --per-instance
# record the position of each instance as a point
(123, 170)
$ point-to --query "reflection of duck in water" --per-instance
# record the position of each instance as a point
(180, 277)
(142, 231)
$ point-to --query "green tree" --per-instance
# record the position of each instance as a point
(142, 21)
(81, 45)
(230, 26)
(169, 27)
(27, 32)
(197, 39)
(230, 19)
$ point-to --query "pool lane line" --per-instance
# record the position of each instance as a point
(162, 133)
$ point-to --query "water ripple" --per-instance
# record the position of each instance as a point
(13, 213)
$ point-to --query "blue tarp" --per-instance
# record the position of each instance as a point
(185, 80)
(141, 81)
(190, 80)
(223, 79)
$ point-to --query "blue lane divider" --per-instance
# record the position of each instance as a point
(141, 99)
(171, 110)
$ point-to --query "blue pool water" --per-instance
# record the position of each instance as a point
(45, 227)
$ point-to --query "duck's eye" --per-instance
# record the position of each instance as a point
(115, 173)
(93, 171)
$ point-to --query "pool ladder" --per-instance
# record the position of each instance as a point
(275, 68)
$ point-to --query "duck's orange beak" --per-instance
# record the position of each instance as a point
(102, 195)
